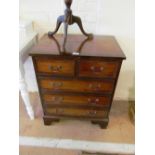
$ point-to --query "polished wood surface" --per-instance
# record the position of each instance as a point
(55, 67)
(90, 100)
(99, 46)
(101, 69)
(76, 85)
(79, 83)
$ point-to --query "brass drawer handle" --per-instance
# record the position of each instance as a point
(101, 68)
(93, 101)
(95, 86)
(92, 112)
(55, 68)
(97, 69)
(92, 68)
(56, 84)
(59, 111)
(57, 99)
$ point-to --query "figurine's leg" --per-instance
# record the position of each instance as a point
(60, 20)
(65, 36)
(78, 21)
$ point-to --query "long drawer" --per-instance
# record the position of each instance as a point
(75, 100)
(76, 112)
(76, 85)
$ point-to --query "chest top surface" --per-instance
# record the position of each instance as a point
(79, 45)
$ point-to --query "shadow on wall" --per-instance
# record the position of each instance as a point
(131, 96)
(125, 89)
(131, 108)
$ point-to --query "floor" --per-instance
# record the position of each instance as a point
(27, 150)
(120, 129)
(48, 151)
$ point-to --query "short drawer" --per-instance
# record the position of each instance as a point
(76, 85)
(99, 69)
(56, 99)
(55, 67)
(76, 112)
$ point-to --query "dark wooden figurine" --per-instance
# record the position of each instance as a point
(68, 19)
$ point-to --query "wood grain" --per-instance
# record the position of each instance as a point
(76, 85)
(100, 69)
(55, 67)
(57, 99)
(76, 112)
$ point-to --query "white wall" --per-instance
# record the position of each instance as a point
(114, 17)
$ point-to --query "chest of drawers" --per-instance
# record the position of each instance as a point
(80, 83)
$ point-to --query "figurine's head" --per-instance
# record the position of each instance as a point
(68, 3)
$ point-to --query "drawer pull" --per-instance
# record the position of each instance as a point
(59, 111)
(92, 113)
(92, 68)
(95, 86)
(56, 84)
(96, 69)
(55, 68)
(101, 68)
(93, 101)
(57, 99)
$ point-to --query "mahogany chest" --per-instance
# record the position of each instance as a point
(79, 83)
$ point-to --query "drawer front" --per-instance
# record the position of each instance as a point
(76, 85)
(99, 69)
(76, 112)
(55, 67)
(56, 99)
